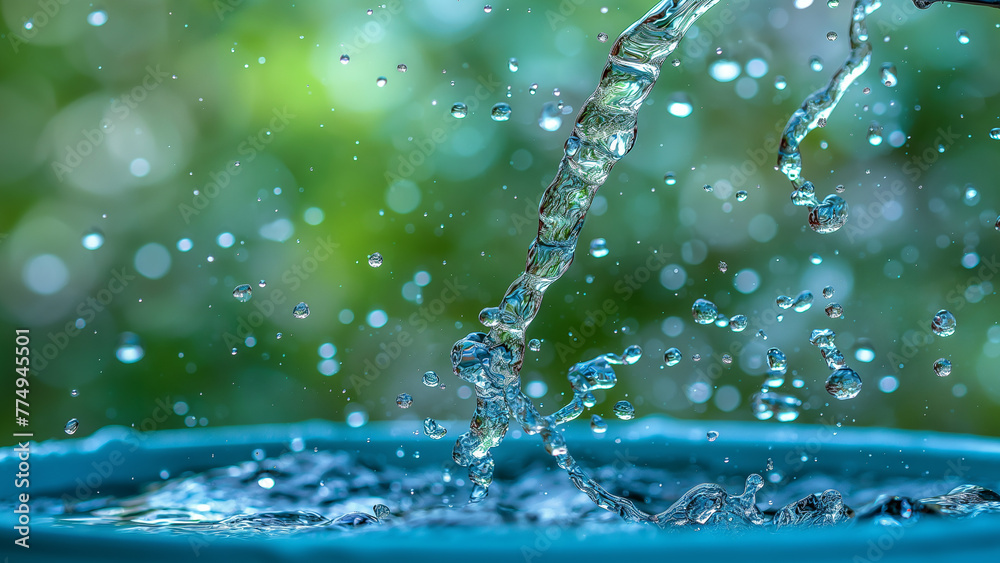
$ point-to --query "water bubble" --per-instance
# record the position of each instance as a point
(534, 345)
(344, 59)
(301, 311)
(942, 367)
(875, 134)
(381, 511)
(670, 179)
(768, 404)
(803, 302)
(780, 83)
(597, 425)
(375, 260)
(831, 36)
(93, 240)
(741, 195)
(602, 37)
(963, 37)
(828, 291)
(500, 112)
(816, 63)
(599, 249)
(672, 357)
(822, 338)
(512, 64)
(888, 75)
(431, 379)
(834, 311)
(723, 267)
(243, 292)
(624, 410)
(550, 118)
(829, 215)
(712, 435)
(459, 110)
(704, 311)
(380, 81)
(944, 323)
(784, 301)
(680, 105)
(845, 383)
(432, 429)
(995, 133)
(404, 400)
(71, 426)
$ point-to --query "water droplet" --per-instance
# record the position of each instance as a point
(834, 310)
(431, 379)
(624, 410)
(712, 435)
(71, 426)
(550, 119)
(234, 351)
(487, 8)
(875, 134)
(97, 18)
(944, 323)
(533, 88)
(995, 133)
(741, 195)
(845, 383)
(632, 354)
(780, 83)
(243, 292)
(784, 301)
(534, 345)
(738, 323)
(963, 37)
(725, 70)
(432, 429)
(380, 82)
(704, 311)
(344, 59)
(888, 74)
(680, 105)
(459, 110)
(500, 112)
(95, 239)
(602, 37)
(942, 367)
(401, 67)
(831, 36)
(301, 311)
(816, 63)
(381, 511)
(672, 357)
(707, 188)
(670, 179)
(829, 215)
(723, 267)
(375, 260)
(404, 400)
(129, 349)
(74, 393)
(803, 302)
(776, 361)
(599, 248)
(727, 359)
(768, 404)
(823, 338)
(828, 291)
(597, 425)
(832, 3)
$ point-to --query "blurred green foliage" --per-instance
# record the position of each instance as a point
(128, 118)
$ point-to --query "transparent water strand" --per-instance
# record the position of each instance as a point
(831, 214)
(604, 132)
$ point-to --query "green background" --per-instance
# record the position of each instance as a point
(165, 97)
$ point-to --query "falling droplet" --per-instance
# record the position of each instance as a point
(375, 260)
(672, 357)
(500, 112)
(803, 302)
(301, 311)
(487, 8)
(816, 63)
(942, 367)
(829, 216)
(741, 195)
(704, 311)
(780, 83)
(624, 410)
(845, 383)
(599, 248)
(512, 64)
(431, 379)
(243, 292)
(738, 323)
(533, 88)
(834, 310)
(828, 291)
(74, 393)
(71, 426)
(784, 301)
(602, 37)
(723, 267)
(432, 429)
(995, 133)
(963, 37)
(712, 435)
(831, 36)
(597, 425)
(401, 67)
(875, 134)
(944, 323)
(768, 404)
(404, 400)
(534, 345)
(888, 74)
(670, 179)
(344, 59)
(380, 82)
